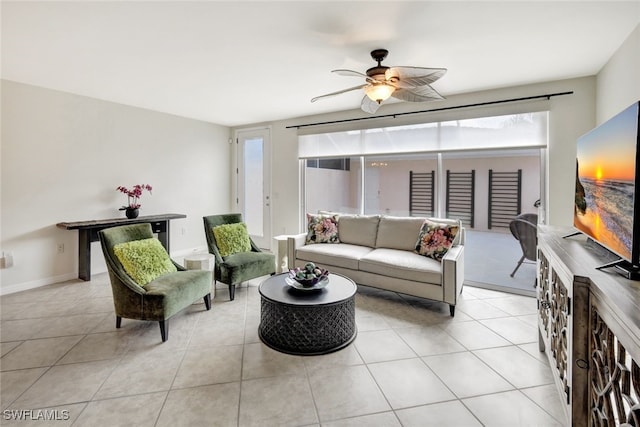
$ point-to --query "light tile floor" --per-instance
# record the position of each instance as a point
(410, 365)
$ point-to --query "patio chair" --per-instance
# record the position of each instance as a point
(234, 268)
(524, 228)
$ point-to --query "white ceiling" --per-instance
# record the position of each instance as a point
(241, 62)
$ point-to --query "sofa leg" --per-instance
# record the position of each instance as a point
(232, 292)
(207, 301)
(118, 322)
(452, 309)
(164, 329)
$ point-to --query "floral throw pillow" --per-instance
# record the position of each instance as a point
(435, 239)
(322, 229)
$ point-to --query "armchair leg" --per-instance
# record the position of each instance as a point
(118, 322)
(164, 329)
(207, 301)
(232, 292)
(452, 309)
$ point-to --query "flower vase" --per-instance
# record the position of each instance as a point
(131, 213)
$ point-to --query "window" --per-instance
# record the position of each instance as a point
(437, 169)
(377, 177)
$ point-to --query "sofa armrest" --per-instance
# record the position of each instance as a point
(293, 242)
(453, 274)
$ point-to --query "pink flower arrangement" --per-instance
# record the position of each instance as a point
(133, 195)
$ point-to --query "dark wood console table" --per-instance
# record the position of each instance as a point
(88, 232)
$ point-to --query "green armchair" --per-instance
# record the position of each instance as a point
(159, 299)
(236, 268)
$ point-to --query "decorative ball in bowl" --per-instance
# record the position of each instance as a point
(309, 275)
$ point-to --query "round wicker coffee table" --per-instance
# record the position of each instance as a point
(307, 322)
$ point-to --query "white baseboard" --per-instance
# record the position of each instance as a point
(19, 287)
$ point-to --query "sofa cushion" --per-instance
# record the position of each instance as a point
(358, 229)
(398, 232)
(339, 255)
(402, 264)
(322, 229)
(435, 239)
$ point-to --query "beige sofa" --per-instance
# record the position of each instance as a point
(378, 251)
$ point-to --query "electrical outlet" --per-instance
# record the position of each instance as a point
(6, 260)
(60, 248)
(184, 231)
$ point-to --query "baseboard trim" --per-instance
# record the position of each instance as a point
(505, 289)
(25, 286)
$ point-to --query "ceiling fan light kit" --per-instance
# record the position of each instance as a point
(411, 84)
(379, 92)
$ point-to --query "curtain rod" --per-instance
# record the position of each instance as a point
(479, 104)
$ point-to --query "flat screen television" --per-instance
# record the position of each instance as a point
(607, 194)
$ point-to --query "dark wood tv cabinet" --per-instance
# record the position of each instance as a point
(589, 327)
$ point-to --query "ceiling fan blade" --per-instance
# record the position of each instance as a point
(419, 94)
(337, 93)
(368, 105)
(414, 76)
(350, 73)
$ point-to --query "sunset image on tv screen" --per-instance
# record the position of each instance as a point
(605, 182)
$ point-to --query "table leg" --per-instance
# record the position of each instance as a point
(84, 255)
(163, 235)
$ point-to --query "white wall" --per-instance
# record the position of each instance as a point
(618, 84)
(62, 158)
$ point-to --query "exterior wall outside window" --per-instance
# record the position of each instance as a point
(386, 184)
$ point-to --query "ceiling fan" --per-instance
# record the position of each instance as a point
(410, 84)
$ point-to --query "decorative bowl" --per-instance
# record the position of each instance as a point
(308, 282)
(297, 286)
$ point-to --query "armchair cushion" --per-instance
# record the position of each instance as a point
(172, 292)
(144, 260)
(243, 266)
(232, 238)
(435, 239)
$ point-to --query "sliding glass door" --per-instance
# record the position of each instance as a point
(487, 190)
(483, 171)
